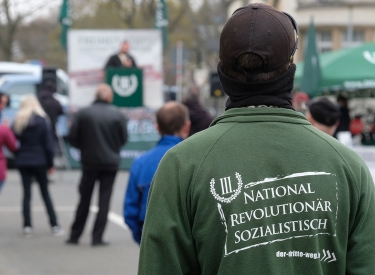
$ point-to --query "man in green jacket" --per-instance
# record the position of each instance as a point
(261, 191)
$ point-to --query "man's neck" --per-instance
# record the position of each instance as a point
(330, 130)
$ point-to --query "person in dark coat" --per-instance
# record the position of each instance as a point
(344, 125)
(200, 118)
(323, 115)
(99, 131)
(50, 104)
(122, 59)
(34, 157)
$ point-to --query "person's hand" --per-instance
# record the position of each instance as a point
(51, 171)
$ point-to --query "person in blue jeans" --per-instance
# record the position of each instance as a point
(173, 125)
(34, 158)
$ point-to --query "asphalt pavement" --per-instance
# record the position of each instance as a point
(45, 254)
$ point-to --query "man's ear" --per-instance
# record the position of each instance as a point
(309, 117)
(188, 125)
(157, 128)
(109, 97)
(184, 132)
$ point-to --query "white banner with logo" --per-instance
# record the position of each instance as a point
(89, 50)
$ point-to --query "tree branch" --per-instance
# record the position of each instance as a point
(181, 12)
(126, 14)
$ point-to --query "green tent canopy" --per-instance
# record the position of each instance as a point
(349, 70)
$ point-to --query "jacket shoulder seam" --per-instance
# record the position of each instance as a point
(343, 159)
(205, 156)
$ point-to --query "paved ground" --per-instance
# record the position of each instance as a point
(45, 254)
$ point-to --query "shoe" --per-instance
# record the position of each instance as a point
(100, 243)
(28, 231)
(58, 231)
(70, 241)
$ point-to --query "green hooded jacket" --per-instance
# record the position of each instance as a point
(260, 192)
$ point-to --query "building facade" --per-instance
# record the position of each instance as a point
(338, 23)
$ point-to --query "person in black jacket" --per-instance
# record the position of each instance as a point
(200, 118)
(99, 131)
(323, 115)
(344, 124)
(122, 59)
(50, 104)
(34, 157)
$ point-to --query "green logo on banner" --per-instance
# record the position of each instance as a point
(127, 85)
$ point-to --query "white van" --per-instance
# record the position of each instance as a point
(20, 68)
(37, 70)
(18, 79)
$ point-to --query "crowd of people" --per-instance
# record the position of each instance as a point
(262, 181)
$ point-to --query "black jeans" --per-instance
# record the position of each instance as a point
(40, 174)
(86, 187)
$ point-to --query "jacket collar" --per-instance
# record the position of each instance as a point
(169, 140)
(261, 115)
(100, 101)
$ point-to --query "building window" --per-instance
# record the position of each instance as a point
(357, 39)
(324, 41)
(314, 3)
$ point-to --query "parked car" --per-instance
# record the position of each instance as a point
(17, 85)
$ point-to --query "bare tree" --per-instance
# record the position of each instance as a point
(12, 14)
(126, 11)
(184, 7)
(33, 38)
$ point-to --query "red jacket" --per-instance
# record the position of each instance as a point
(6, 139)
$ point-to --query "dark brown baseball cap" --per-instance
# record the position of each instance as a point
(262, 30)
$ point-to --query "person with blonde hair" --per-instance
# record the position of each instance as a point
(34, 158)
